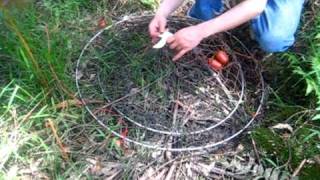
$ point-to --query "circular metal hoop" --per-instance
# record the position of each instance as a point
(163, 147)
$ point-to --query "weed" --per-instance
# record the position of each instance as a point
(308, 65)
(34, 49)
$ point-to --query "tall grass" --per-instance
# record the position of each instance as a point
(307, 65)
(20, 129)
(39, 45)
(34, 136)
(43, 38)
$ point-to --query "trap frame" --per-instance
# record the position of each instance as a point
(153, 102)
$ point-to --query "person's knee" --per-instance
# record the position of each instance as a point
(200, 12)
(275, 41)
(206, 9)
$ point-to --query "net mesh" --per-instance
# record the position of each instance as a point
(154, 102)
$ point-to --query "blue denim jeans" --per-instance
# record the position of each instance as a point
(274, 29)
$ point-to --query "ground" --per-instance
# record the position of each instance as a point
(46, 133)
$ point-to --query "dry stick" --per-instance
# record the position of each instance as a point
(188, 114)
(161, 174)
(147, 166)
(50, 124)
(76, 102)
(179, 171)
(224, 88)
(55, 76)
(255, 150)
(170, 173)
(174, 119)
(296, 172)
(114, 176)
(175, 113)
(224, 172)
(200, 170)
(183, 159)
(246, 56)
(186, 175)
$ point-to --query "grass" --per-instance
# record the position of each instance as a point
(38, 139)
(41, 125)
(22, 130)
(39, 41)
(45, 133)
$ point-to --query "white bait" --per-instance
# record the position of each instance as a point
(164, 36)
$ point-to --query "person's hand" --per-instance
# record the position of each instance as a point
(157, 26)
(185, 40)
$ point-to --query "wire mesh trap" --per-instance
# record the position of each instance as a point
(151, 101)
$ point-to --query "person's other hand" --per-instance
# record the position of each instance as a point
(157, 26)
(185, 40)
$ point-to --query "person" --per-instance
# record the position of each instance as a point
(273, 22)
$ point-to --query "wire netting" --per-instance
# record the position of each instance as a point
(151, 101)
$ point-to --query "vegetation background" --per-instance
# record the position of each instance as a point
(45, 132)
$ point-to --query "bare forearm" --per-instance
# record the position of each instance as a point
(168, 6)
(236, 16)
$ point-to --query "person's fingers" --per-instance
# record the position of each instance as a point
(154, 40)
(153, 32)
(170, 40)
(180, 54)
(178, 48)
(162, 26)
(173, 45)
(154, 29)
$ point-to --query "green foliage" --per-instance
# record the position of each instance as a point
(64, 10)
(273, 145)
(293, 100)
(287, 153)
(307, 65)
(37, 47)
(39, 42)
(153, 4)
(20, 129)
(27, 148)
(288, 104)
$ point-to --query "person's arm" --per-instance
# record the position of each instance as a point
(236, 16)
(188, 38)
(159, 22)
(168, 6)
